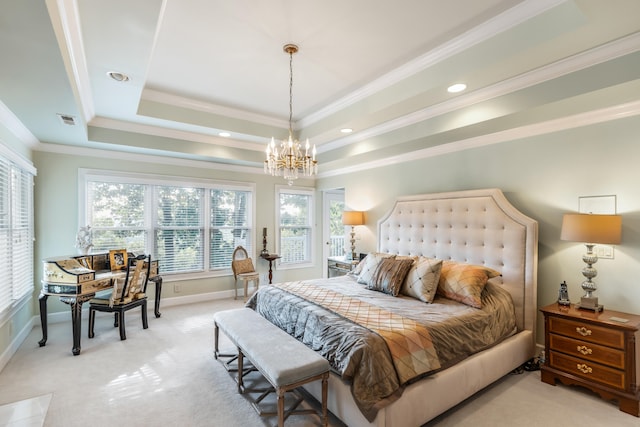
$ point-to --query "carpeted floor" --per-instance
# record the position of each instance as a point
(167, 376)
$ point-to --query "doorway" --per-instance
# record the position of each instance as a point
(333, 234)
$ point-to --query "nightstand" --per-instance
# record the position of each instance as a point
(598, 351)
(339, 266)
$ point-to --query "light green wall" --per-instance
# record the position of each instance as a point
(543, 177)
(56, 206)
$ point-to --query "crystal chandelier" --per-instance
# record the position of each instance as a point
(289, 160)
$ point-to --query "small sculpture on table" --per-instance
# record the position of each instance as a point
(563, 295)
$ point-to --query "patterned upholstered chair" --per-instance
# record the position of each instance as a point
(127, 293)
(243, 269)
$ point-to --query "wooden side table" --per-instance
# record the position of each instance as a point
(598, 351)
(271, 258)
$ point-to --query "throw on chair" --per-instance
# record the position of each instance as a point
(127, 293)
(243, 269)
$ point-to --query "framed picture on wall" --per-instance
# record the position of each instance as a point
(118, 259)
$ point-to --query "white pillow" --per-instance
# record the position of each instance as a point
(422, 279)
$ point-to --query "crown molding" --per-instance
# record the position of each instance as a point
(570, 122)
(107, 123)
(506, 20)
(207, 107)
(145, 158)
(580, 61)
(65, 19)
(16, 127)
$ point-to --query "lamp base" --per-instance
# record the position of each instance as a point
(590, 303)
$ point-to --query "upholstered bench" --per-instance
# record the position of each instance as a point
(285, 362)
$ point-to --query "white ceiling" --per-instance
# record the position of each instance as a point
(199, 67)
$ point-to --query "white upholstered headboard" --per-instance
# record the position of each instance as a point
(477, 227)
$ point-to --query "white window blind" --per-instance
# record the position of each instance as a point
(179, 232)
(296, 219)
(230, 225)
(116, 213)
(16, 233)
(188, 227)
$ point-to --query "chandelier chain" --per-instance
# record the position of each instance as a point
(290, 159)
(290, 93)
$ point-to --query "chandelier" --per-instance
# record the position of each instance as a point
(289, 160)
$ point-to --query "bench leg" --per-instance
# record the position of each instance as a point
(216, 334)
(325, 393)
(280, 392)
(240, 373)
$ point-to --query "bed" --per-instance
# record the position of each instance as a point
(478, 228)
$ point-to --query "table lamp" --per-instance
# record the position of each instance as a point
(353, 218)
(591, 229)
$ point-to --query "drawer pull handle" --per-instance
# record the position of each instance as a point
(584, 349)
(584, 368)
(583, 331)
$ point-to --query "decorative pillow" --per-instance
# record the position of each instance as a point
(464, 282)
(243, 266)
(368, 266)
(422, 279)
(389, 275)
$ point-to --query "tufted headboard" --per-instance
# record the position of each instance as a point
(477, 227)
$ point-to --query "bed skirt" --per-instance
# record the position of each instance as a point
(430, 397)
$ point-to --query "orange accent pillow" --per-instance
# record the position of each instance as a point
(464, 282)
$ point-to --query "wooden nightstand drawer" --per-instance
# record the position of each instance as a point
(587, 332)
(588, 370)
(596, 350)
(587, 351)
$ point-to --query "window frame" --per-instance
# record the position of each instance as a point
(16, 164)
(307, 191)
(85, 175)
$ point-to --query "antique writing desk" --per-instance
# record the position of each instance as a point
(76, 279)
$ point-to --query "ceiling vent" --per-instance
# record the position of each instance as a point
(67, 119)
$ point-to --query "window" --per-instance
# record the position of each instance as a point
(16, 233)
(190, 227)
(295, 219)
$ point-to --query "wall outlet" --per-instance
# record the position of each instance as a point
(177, 288)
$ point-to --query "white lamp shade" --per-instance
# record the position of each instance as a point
(592, 228)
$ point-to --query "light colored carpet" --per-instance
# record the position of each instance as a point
(167, 376)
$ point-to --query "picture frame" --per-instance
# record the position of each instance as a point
(118, 259)
(85, 261)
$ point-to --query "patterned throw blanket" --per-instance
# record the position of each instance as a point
(409, 342)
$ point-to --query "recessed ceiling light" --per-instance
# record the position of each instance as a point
(458, 87)
(224, 134)
(346, 130)
(119, 77)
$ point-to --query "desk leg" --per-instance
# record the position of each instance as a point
(156, 307)
(76, 318)
(43, 319)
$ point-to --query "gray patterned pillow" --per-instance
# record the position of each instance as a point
(389, 275)
(422, 279)
(369, 265)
